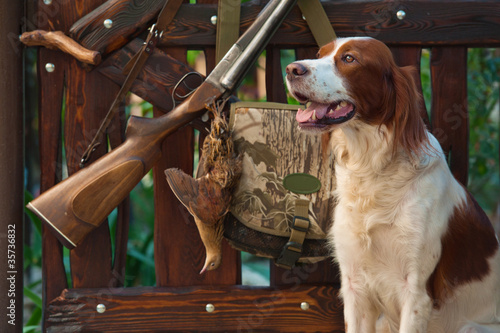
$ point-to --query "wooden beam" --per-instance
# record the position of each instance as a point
(427, 23)
(11, 167)
(236, 308)
(449, 112)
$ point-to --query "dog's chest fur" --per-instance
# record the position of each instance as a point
(380, 226)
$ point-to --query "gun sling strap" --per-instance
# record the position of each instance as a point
(132, 70)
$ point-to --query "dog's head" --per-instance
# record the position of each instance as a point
(356, 79)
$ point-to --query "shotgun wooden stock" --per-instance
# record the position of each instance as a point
(81, 202)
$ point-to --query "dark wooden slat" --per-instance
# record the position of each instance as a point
(51, 89)
(12, 169)
(275, 87)
(87, 101)
(410, 56)
(58, 16)
(426, 23)
(236, 309)
(129, 18)
(158, 77)
(116, 136)
(449, 113)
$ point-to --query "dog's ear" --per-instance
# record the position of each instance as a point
(408, 126)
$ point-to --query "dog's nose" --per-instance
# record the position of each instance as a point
(295, 69)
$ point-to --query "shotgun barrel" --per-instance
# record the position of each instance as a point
(80, 203)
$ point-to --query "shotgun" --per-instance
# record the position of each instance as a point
(80, 203)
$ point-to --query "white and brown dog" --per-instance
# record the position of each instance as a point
(416, 252)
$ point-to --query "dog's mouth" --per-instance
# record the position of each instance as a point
(322, 115)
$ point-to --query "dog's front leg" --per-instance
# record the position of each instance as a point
(360, 315)
(416, 311)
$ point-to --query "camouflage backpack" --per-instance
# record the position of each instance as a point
(282, 206)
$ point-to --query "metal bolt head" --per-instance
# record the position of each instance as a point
(100, 308)
(213, 19)
(49, 67)
(47, 2)
(304, 306)
(401, 14)
(108, 23)
(210, 307)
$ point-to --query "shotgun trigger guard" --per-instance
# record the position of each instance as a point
(191, 89)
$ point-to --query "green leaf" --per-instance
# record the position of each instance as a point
(33, 296)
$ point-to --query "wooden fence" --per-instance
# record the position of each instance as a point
(179, 300)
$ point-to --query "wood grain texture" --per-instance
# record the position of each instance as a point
(183, 309)
(157, 79)
(87, 96)
(426, 23)
(449, 112)
(129, 19)
(275, 87)
(410, 56)
(179, 252)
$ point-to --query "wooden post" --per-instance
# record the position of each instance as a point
(11, 168)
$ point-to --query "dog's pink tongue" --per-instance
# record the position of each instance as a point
(307, 114)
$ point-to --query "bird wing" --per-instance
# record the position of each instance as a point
(204, 199)
(184, 187)
(212, 202)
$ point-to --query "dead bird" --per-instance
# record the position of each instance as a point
(208, 198)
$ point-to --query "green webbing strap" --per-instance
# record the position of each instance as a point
(293, 249)
(228, 26)
(317, 20)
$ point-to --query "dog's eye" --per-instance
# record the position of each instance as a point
(349, 58)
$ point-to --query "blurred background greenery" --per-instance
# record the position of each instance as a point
(484, 183)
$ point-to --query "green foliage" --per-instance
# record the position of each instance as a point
(483, 99)
(483, 69)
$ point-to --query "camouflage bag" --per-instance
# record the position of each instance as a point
(282, 207)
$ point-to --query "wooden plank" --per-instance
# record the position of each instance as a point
(51, 87)
(179, 252)
(12, 169)
(275, 87)
(87, 98)
(410, 56)
(158, 77)
(129, 19)
(236, 309)
(426, 23)
(449, 113)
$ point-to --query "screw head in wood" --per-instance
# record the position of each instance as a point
(213, 20)
(210, 307)
(47, 2)
(304, 306)
(50, 67)
(401, 14)
(108, 23)
(100, 308)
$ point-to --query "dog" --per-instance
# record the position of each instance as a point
(416, 253)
